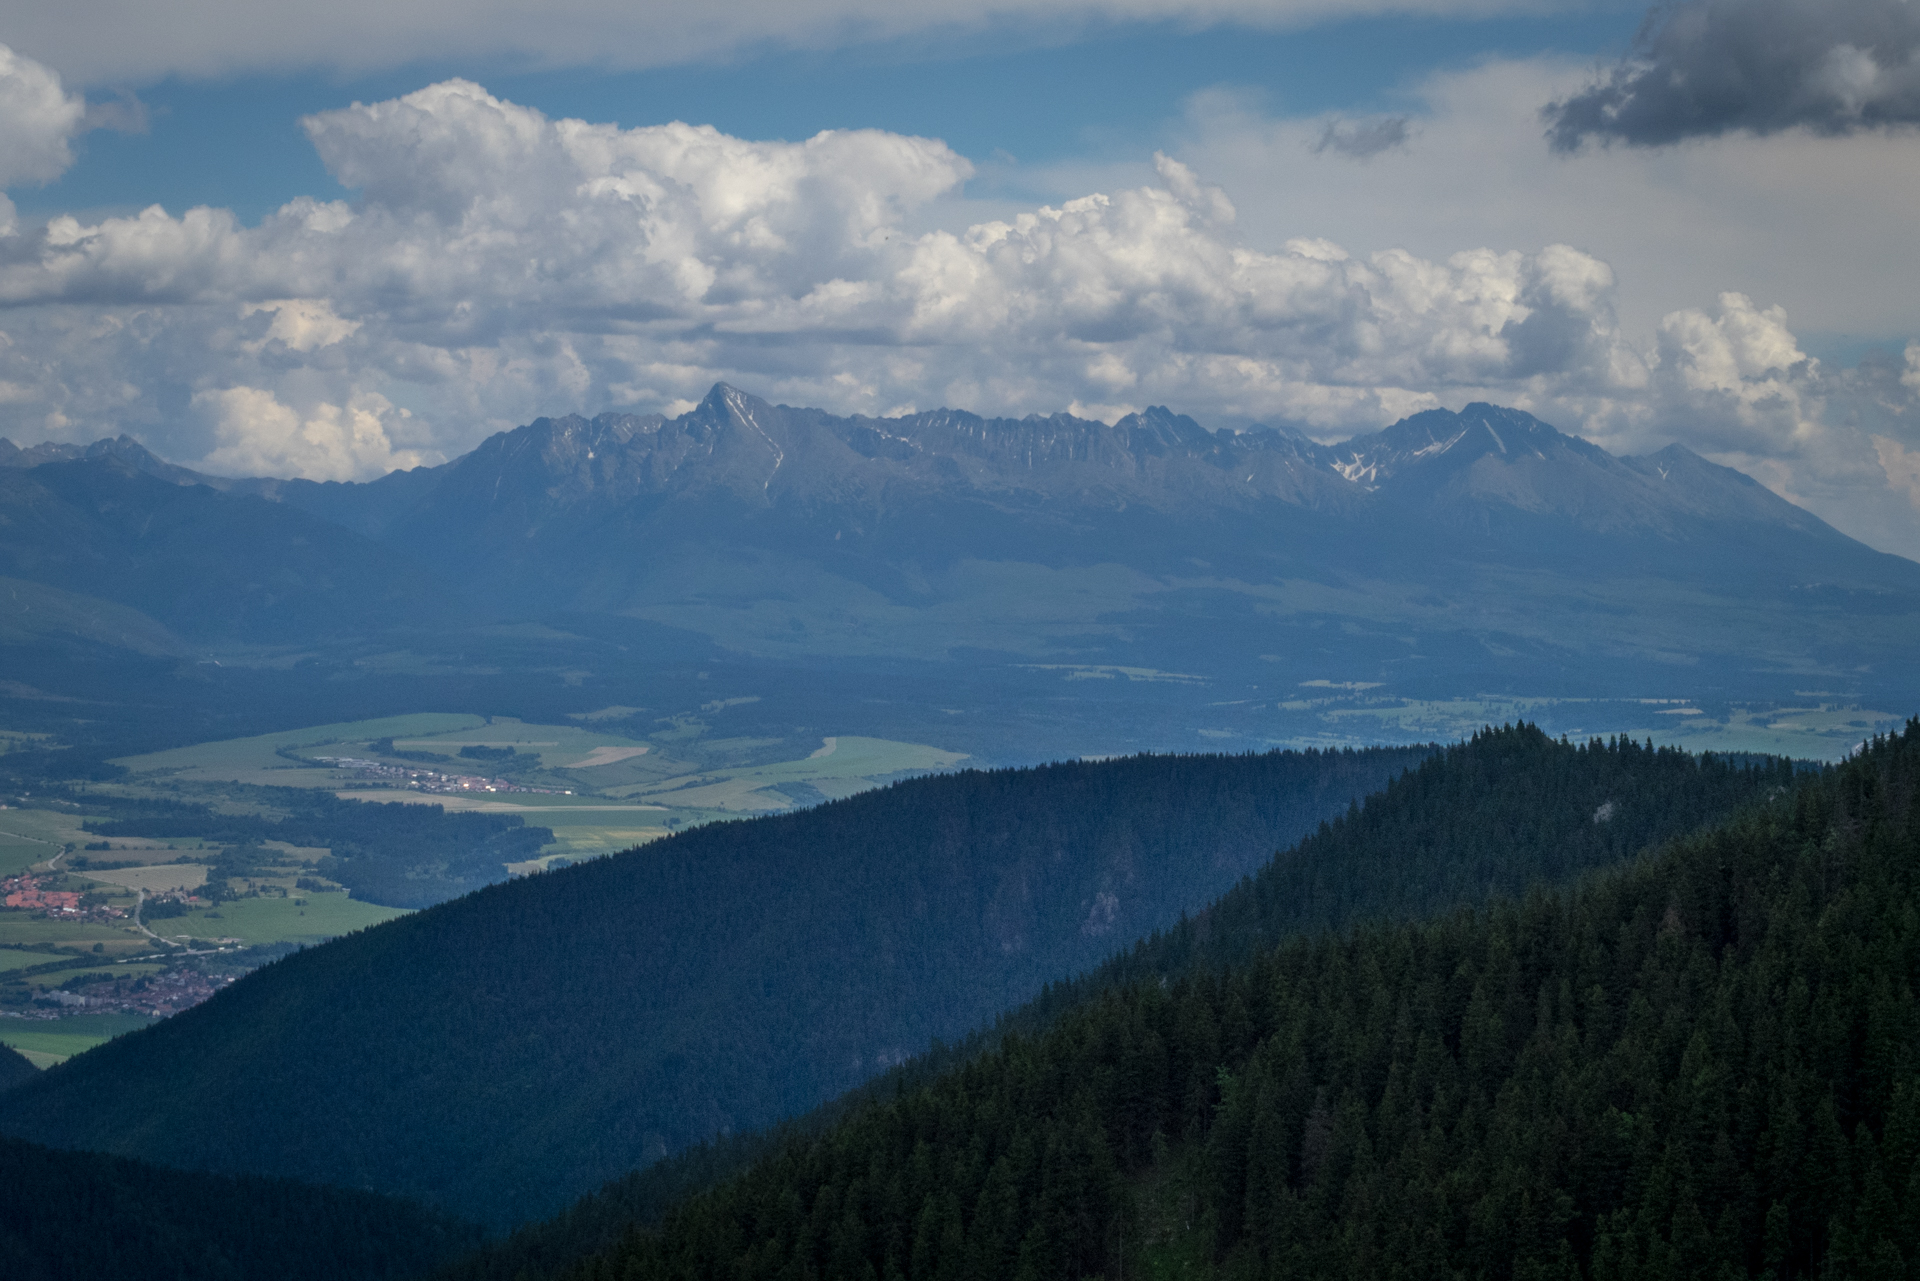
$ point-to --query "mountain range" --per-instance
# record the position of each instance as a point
(1451, 551)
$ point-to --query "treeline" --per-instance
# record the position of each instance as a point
(1506, 810)
(1703, 1064)
(400, 855)
(79, 1216)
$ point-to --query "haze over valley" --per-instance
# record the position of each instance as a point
(1193, 640)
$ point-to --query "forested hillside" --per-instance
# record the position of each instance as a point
(1703, 1064)
(79, 1216)
(14, 1068)
(502, 1054)
(1509, 809)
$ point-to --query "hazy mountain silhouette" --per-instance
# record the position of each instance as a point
(1454, 548)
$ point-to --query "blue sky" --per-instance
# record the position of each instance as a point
(329, 241)
(235, 141)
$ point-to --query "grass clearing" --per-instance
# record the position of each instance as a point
(50, 1041)
(13, 959)
(840, 766)
(582, 840)
(311, 918)
(16, 855)
(608, 756)
(46, 830)
(560, 747)
(24, 927)
(163, 876)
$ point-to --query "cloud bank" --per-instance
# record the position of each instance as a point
(1705, 67)
(500, 265)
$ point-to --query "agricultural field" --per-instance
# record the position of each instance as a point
(257, 760)
(310, 917)
(74, 947)
(30, 836)
(118, 909)
(840, 766)
(50, 1042)
(599, 791)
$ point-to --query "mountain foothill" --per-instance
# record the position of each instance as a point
(497, 1055)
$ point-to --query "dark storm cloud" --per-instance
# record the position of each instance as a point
(1705, 67)
(1362, 139)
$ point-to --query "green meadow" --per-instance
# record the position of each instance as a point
(603, 792)
(308, 918)
(50, 1041)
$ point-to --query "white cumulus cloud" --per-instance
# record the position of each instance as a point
(38, 120)
(257, 435)
(499, 265)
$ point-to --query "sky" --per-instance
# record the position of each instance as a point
(367, 235)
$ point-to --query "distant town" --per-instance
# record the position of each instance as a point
(25, 892)
(427, 780)
(157, 995)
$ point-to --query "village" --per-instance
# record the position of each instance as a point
(427, 780)
(155, 995)
(68, 905)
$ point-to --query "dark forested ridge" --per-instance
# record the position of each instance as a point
(1506, 810)
(15, 1068)
(79, 1216)
(503, 1053)
(1704, 1064)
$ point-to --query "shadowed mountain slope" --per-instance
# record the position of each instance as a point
(205, 564)
(1509, 810)
(80, 1216)
(1478, 550)
(1701, 1064)
(1458, 548)
(15, 1068)
(504, 1052)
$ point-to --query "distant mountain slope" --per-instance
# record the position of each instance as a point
(1463, 550)
(79, 1216)
(1700, 1065)
(1485, 461)
(505, 1052)
(204, 564)
(1478, 550)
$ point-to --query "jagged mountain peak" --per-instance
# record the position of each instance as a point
(122, 448)
(1442, 441)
